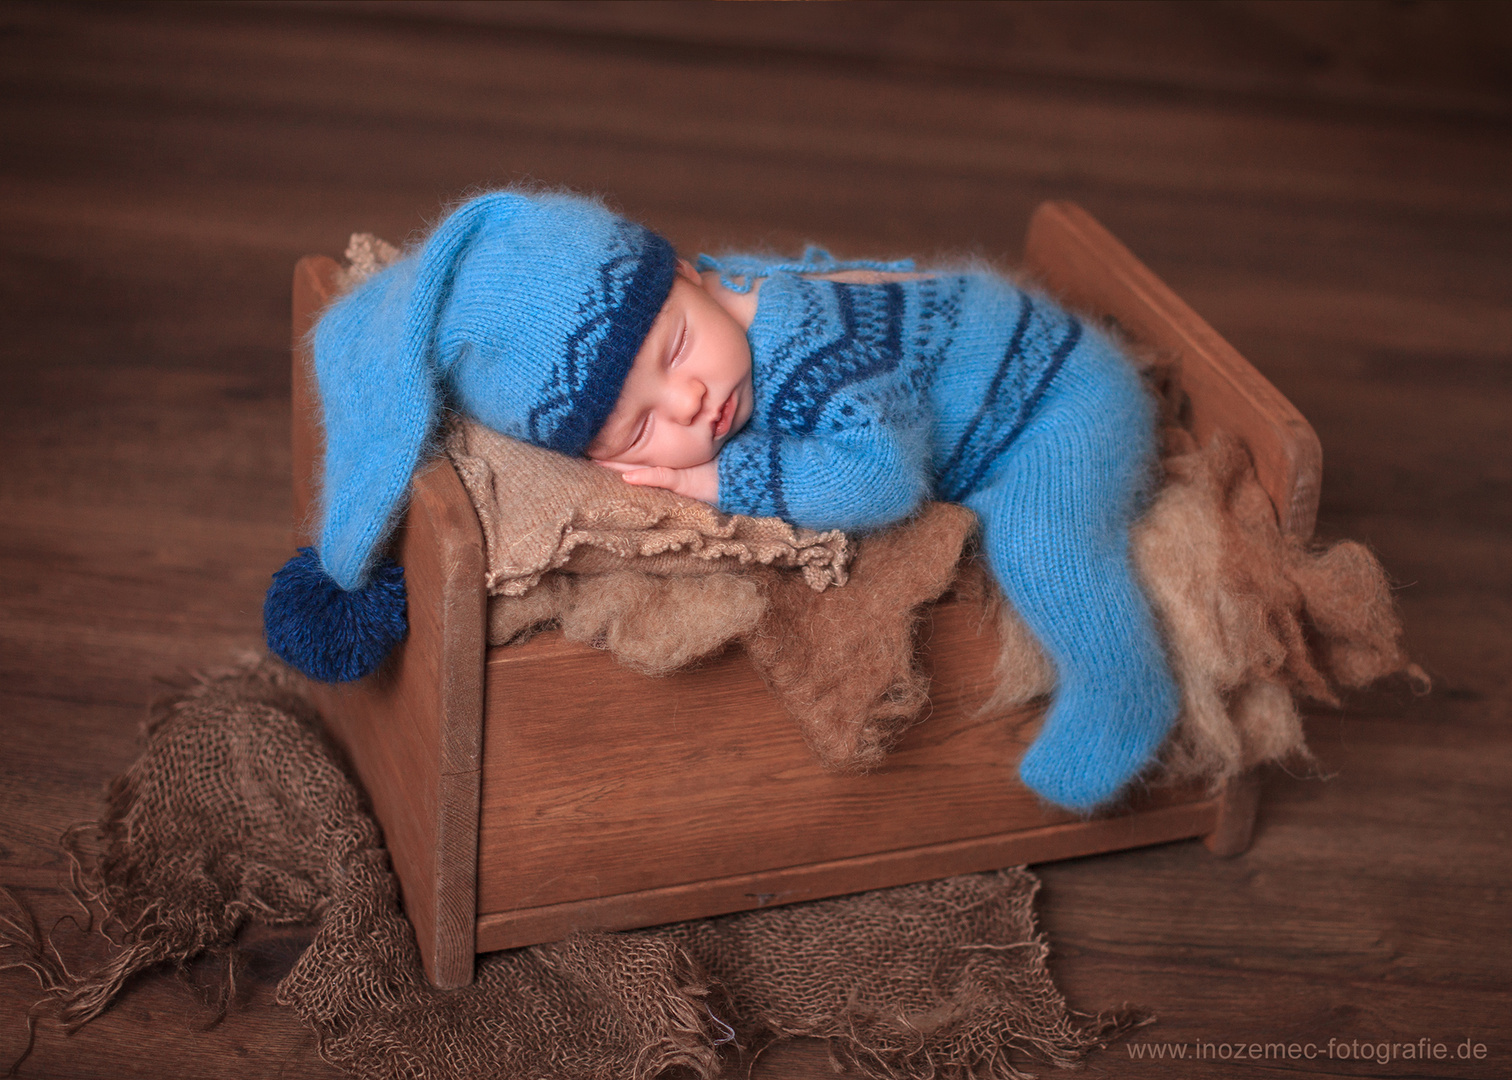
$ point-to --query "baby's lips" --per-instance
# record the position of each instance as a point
(726, 416)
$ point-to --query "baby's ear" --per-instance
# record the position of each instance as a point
(687, 270)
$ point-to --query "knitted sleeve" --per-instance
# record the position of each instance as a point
(857, 478)
(839, 434)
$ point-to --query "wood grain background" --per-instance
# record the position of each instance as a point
(1329, 185)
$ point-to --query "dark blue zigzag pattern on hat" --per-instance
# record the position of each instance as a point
(616, 313)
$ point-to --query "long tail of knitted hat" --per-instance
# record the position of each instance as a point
(525, 312)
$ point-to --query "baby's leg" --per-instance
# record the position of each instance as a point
(1055, 515)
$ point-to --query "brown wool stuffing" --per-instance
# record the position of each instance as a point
(652, 623)
(843, 661)
(238, 812)
(1252, 619)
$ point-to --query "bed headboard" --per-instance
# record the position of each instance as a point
(1079, 261)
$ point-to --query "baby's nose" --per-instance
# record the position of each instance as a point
(688, 400)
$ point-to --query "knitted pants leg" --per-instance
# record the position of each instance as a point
(1055, 516)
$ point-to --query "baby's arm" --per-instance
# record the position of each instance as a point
(852, 480)
(855, 479)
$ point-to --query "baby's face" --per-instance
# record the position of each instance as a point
(689, 388)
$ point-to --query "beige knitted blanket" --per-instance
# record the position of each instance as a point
(542, 511)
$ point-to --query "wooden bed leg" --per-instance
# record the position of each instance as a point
(1236, 816)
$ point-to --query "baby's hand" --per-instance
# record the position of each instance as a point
(696, 482)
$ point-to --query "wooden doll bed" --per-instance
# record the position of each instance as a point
(528, 791)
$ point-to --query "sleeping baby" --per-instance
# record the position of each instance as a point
(833, 395)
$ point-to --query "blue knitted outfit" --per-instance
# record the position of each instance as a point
(872, 398)
(526, 310)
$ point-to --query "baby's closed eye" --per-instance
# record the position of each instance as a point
(679, 346)
(642, 430)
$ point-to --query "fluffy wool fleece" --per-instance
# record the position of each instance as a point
(841, 660)
(1252, 620)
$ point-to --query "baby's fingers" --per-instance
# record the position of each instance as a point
(655, 476)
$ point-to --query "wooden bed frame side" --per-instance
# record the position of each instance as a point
(427, 699)
(1085, 267)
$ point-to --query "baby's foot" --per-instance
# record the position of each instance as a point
(1098, 739)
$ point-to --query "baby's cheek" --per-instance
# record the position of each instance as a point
(694, 447)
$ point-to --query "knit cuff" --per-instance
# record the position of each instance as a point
(748, 477)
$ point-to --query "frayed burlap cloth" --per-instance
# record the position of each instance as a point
(237, 811)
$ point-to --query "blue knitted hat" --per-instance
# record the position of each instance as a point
(522, 311)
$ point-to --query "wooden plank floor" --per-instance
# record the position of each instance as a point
(1330, 186)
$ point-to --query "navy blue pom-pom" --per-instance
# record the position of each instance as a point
(327, 632)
